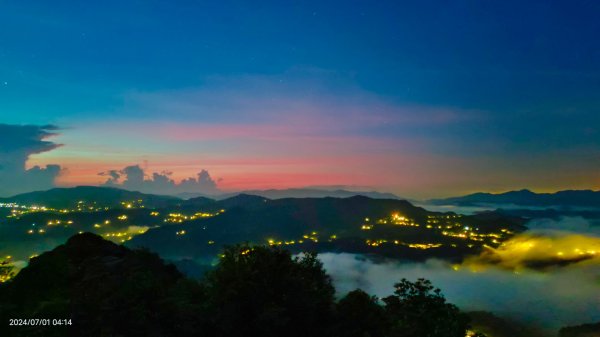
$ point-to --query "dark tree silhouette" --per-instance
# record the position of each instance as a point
(419, 310)
(263, 291)
(360, 315)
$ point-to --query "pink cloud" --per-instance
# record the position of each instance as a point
(259, 131)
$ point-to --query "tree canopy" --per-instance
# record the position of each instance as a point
(420, 309)
(110, 290)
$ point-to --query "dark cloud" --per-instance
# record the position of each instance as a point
(17, 144)
(136, 179)
(113, 176)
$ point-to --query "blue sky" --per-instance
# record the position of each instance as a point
(480, 84)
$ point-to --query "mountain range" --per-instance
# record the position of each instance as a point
(200, 227)
(296, 193)
(567, 198)
(385, 227)
(90, 196)
(112, 197)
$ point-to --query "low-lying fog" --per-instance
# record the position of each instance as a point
(548, 277)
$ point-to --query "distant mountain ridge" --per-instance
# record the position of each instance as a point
(100, 196)
(298, 193)
(578, 198)
(111, 197)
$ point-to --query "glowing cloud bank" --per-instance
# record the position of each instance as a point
(543, 278)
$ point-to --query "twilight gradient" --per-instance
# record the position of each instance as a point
(421, 99)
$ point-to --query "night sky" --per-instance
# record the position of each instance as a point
(421, 98)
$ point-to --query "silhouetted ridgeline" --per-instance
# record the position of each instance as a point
(585, 330)
(313, 193)
(111, 197)
(91, 196)
(109, 290)
(495, 326)
(579, 198)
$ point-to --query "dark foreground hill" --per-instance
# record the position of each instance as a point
(92, 287)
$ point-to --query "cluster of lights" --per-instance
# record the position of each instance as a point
(81, 206)
(176, 218)
(375, 243)
(179, 218)
(424, 245)
(379, 242)
(400, 220)
(107, 222)
(123, 236)
(472, 234)
(447, 224)
(273, 242)
(117, 235)
(206, 214)
(577, 251)
(6, 263)
(133, 204)
(59, 222)
(396, 219)
(17, 210)
(312, 236)
(39, 231)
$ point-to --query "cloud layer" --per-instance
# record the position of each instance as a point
(135, 178)
(541, 251)
(548, 300)
(559, 290)
(17, 144)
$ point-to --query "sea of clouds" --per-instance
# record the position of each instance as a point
(547, 277)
